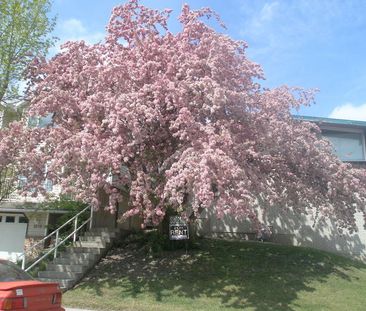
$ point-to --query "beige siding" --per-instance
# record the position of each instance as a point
(37, 225)
(104, 218)
(132, 223)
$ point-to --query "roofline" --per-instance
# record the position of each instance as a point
(32, 210)
(330, 120)
(18, 207)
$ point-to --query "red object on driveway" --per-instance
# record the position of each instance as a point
(18, 291)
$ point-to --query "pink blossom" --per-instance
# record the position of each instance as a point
(178, 120)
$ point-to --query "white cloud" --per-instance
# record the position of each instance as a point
(268, 10)
(74, 30)
(278, 26)
(266, 14)
(350, 112)
(73, 26)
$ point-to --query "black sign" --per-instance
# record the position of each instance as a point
(178, 229)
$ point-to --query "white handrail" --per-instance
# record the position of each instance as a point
(54, 232)
(57, 242)
(56, 246)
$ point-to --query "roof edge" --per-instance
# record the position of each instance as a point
(330, 120)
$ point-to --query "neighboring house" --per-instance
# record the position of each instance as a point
(38, 218)
(348, 139)
(23, 218)
(19, 224)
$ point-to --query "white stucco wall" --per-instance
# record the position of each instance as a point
(291, 229)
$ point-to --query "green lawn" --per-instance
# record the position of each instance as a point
(223, 275)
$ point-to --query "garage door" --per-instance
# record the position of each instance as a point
(13, 228)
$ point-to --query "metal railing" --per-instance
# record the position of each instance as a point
(58, 241)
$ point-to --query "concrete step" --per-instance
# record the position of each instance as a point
(74, 261)
(84, 250)
(59, 275)
(69, 258)
(101, 239)
(91, 244)
(101, 229)
(67, 268)
(106, 230)
(64, 283)
(102, 234)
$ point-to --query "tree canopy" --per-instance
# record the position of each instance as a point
(24, 29)
(180, 120)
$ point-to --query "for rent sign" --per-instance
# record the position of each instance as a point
(178, 228)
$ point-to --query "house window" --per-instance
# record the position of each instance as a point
(48, 185)
(22, 181)
(348, 146)
(10, 219)
(23, 220)
(40, 121)
(1, 218)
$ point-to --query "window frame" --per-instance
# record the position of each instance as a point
(10, 217)
(347, 130)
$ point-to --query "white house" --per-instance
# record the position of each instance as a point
(348, 139)
(23, 218)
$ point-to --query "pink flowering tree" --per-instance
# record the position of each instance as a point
(7, 164)
(13, 140)
(180, 121)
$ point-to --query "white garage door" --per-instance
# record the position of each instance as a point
(13, 228)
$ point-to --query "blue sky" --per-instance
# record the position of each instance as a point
(309, 43)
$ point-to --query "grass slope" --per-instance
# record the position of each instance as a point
(223, 275)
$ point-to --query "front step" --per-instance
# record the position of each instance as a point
(84, 250)
(105, 229)
(100, 234)
(67, 268)
(69, 257)
(97, 239)
(75, 261)
(91, 244)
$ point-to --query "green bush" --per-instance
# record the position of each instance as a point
(72, 208)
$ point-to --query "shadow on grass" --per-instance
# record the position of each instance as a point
(239, 275)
